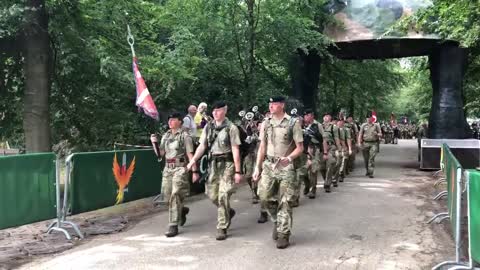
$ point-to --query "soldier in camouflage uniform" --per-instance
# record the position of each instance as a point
(368, 138)
(176, 145)
(281, 142)
(346, 149)
(314, 136)
(353, 132)
(301, 170)
(221, 138)
(331, 144)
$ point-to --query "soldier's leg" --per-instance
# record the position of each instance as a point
(287, 195)
(247, 167)
(371, 159)
(366, 155)
(212, 184)
(330, 173)
(338, 162)
(167, 184)
(225, 190)
(313, 179)
(167, 197)
(343, 166)
(268, 189)
(180, 187)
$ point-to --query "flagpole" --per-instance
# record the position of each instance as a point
(130, 40)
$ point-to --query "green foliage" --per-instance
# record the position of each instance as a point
(189, 51)
(360, 86)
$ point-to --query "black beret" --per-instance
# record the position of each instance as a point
(327, 113)
(219, 104)
(307, 111)
(277, 99)
(369, 114)
(176, 115)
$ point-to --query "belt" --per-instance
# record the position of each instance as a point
(172, 163)
(223, 158)
(272, 159)
(174, 160)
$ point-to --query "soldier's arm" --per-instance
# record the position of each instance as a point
(189, 149)
(235, 142)
(380, 135)
(335, 136)
(349, 140)
(262, 148)
(360, 135)
(162, 146)
(202, 147)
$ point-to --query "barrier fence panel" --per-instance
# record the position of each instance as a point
(452, 170)
(102, 179)
(27, 189)
(474, 214)
(453, 175)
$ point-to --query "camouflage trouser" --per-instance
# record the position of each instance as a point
(247, 169)
(328, 167)
(219, 188)
(343, 158)
(369, 151)
(351, 158)
(277, 190)
(175, 187)
(302, 176)
(314, 172)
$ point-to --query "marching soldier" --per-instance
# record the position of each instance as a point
(176, 145)
(301, 169)
(353, 132)
(314, 135)
(368, 138)
(281, 142)
(331, 144)
(221, 139)
(346, 150)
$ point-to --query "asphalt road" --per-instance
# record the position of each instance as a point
(363, 224)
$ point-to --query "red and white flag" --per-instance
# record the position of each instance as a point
(144, 99)
(374, 116)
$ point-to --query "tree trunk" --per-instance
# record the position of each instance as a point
(36, 120)
(251, 50)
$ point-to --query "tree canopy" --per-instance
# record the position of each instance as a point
(191, 51)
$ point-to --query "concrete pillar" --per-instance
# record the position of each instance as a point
(447, 117)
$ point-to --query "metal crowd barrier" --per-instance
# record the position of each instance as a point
(27, 189)
(458, 183)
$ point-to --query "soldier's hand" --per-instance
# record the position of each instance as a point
(195, 177)
(284, 161)
(190, 165)
(350, 152)
(153, 138)
(256, 174)
(238, 178)
(309, 163)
